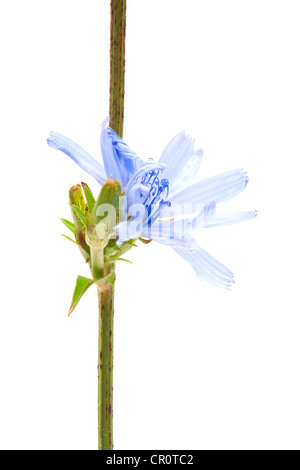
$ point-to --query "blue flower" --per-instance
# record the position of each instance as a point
(161, 200)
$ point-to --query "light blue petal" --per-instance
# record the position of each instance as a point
(80, 156)
(220, 220)
(120, 161)
(128, 160)
(202, 218)
(128, 230)
(207, 267)
(218, 188)
(179, 227)
(110, 159)
(182, 161)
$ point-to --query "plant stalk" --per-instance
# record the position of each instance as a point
(106, 291)
(105, 366)
(117, 65)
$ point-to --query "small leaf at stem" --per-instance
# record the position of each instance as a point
(68, 224)
(121, 259)
(80, 214)
(89, 197)
(82, 285)
(109, 279)
(71, 240)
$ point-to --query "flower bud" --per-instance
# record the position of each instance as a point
(104, 216)
(77, 202)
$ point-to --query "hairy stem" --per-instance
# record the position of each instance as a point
(105, 367)
(106, 291)
(117, 65)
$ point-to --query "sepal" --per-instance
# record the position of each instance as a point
(78, 209)
(89, 197)
(80, 214)
(68, 224)
(71, 239)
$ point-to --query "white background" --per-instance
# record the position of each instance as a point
(196, 367)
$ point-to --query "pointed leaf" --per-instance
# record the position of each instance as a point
(80, 214)
(121, 259)
(77, 197)
(89, 197)
(71, 240)
(109, 279)
(82, 285)
(68, 224)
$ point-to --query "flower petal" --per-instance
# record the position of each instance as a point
(128, 160)
(218, 188)
(178, 227)
(182, 161)
(80, 156)
(220, 220)
(110, 160)
(206, 266)
(120, 161)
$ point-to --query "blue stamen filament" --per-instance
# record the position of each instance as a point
(155, 200)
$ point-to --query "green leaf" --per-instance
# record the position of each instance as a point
(121, 259)
(68, 224)
(82, 285)
(80, 214)
(109, 279)
(131, 243)
(77, 197)
(71, 239)
(89, 197)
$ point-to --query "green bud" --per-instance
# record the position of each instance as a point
(77, 197)
(78, 209)
(89, 197)
(105, 213)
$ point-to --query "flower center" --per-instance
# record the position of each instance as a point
(154, 195)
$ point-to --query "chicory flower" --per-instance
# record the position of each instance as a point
(161, 200)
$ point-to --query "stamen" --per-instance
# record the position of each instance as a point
(155, 200)
(148, 189)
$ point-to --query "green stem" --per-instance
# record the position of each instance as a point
(117, 65)
(105, 367)
(97, 262)
(99, 269)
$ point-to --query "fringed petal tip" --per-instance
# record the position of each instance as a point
(206, 266)
(225, 286)
(52, 140)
